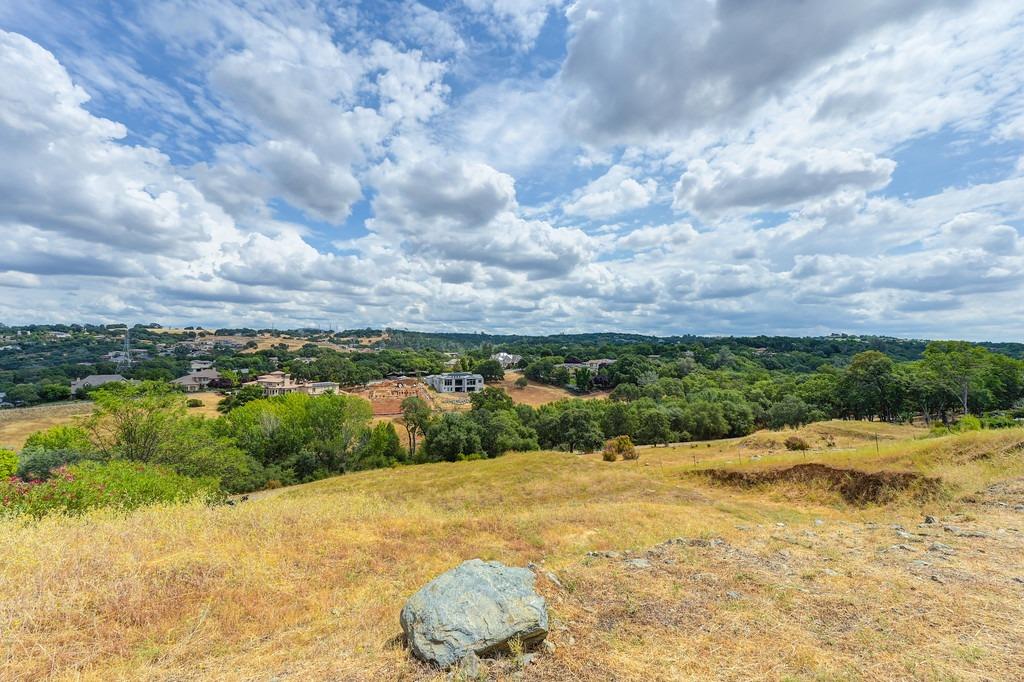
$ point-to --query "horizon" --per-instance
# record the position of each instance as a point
(323, 330)
(529, 167)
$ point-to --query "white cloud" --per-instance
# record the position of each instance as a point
(615, 192)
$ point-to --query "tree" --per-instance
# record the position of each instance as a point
(959, 366)
(870, 386)
(416, 415)
(579, 430)
(625, 392)
(790, 411)
(618, 420)
(491, 398)
(584, 379)
(522, 382)
(490, 370)
(381, 448)
(246, 394)
(451, 438)
(653, 427)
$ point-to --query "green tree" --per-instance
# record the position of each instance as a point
(8, 463)
(491, 398)
(960, 367)
(579, 430)
(584, 379)
(870, 386)
(653, 427)
(490, 370)
(416, 416)
(451, 438)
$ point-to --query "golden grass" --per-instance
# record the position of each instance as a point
(16, 425)
(306, 584)
(536, 394)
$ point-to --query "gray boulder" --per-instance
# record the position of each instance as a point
(477, 607)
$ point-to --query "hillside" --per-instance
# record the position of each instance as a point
(778, 581)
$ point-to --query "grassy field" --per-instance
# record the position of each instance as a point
(18, 424)
(778, 582)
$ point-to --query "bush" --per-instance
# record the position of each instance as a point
(1001, 421)
(522, 382)
(36, 464)
(796, 443)
(194, 402)
(120, 485)
(968, 423)
(620, 446)
(8, 463)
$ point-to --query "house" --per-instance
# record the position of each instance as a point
(593, 365)
(506, 360)
(197, 380)
(95, 380)
(279, 383)
(456, 382)
(200, 365)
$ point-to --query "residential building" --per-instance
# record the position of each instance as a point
(592, 365)
(507, 360)
(456, 382)
(200, 365)
(280, 383)
(95, 380)
(198, 380)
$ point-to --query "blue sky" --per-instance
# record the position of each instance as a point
(663, 166)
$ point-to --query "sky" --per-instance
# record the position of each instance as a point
(516, 166)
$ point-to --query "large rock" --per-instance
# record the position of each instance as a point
(476, 607)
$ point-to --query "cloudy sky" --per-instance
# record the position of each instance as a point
(665, 166)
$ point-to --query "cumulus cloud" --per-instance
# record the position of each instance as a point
(701, 61)
(615, 192)
(745, 178)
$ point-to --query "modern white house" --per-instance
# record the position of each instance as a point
(506, 360)
(455, 382)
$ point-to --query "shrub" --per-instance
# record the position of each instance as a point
(120, 485)
(194, 402)
(36, 464)
(8, 463)
(1001, 421)
(796, 443)
(968, 423)
(620, 446)
(522, 382)
(63, 437)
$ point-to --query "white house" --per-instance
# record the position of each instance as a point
(456, 382)
(506, 360)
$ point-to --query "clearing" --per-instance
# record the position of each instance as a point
(663, 573)
(17, 424)
(540, 394)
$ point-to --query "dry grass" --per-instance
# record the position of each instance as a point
(18, 424)
(540, 394)
(307, 584)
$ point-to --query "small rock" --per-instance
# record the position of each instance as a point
(638, 563)
(1018, 579)
(819, 522)
(1018, 507)
(572, 640)
(963, 533)
(780, 525)
(548, 646)
(907, 536)
(530, 659)
(941, 548)
(905, 548)
(468, 668)
(938, 580)
(918, 563)
(731, 594)
(553, 579)
(930, 519)
(829, 572)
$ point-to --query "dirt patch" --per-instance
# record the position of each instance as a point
(856, 487)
